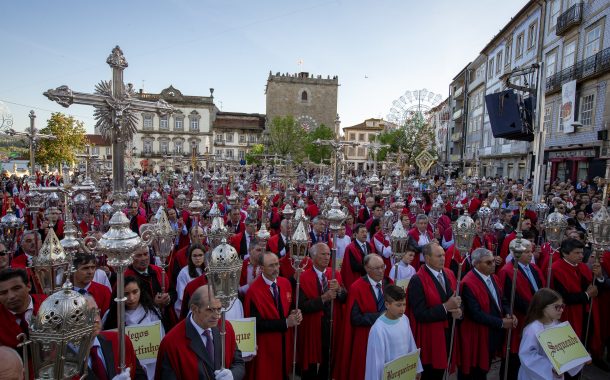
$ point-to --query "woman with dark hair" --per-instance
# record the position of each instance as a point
(139, 310)
(194, 268)
(544, 311)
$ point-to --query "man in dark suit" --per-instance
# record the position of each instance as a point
(193, 348)
(485, 317)
(103, 362)
(241, 241)
(318, 231)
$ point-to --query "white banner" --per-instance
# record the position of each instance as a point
(568, 106)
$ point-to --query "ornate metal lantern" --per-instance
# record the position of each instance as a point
(61, 335)
(81, 205)
(542, 210)
(464, 231)
(51, 263)
(299, 244)
(413, 206)
(398, 241)
(154, 201)
(387, 222)
(600, 228)
(435, 213)
(485, 213)
(218, 231)
(224, 268)
(10, 226)
(555, 229)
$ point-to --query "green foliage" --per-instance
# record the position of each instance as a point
(253, 156)
(415, 136)
(286, 137)
(315, 152)
(70, 139)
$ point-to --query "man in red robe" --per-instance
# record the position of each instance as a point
(481, 333)
(433, 305)
(423, 234)
(151, 277)
(365, 304)
(366, 212)
(353, 258)
(241, 241)
(529, 280)
(318, 291)
(82, 278)
(234, 223)
(268, 300)
(193, 348)
(16, 305)
(574, 281)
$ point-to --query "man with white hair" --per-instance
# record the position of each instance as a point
(11, 365)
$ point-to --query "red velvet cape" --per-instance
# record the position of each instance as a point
(429, 336)
(474, 337)
(524, 291)
(176, 346)
(101, 294)
(309, 342)
(267, 363)
(130, 355)
(10, 329)
(348, 276)
(352, 363)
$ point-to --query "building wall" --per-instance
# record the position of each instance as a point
(284, 97)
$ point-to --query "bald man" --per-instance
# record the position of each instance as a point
(11, 365)
(192, 349)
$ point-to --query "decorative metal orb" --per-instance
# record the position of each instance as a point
(464, 231)
(61, 335)
(485, 213)
(120, 242)
(335, 216)
(555, 229)
(542, 210)
(518, 246)
(600, 228)
(224, 270)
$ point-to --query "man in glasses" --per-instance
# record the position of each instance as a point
(192, 349)
(481, 333)
(365, 303)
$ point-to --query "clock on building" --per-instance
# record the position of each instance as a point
(307, 122)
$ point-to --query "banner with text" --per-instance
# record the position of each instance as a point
(402, 368)
(245, 335)
(146, 340)
(563, 348)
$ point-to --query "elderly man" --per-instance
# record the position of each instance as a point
(366, 212)
(318, 290)
(365, 303)
(31, 241)
(318, 232)
(16, 305)
(268, 300)
(193, 348)
(433, 306)
(151, 277)
(486, 316)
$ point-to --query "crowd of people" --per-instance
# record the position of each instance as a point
(454, 307)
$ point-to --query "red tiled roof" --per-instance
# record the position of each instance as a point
(98, 140)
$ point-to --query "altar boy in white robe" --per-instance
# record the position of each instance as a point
(391, 336)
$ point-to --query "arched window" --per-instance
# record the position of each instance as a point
(304, 96)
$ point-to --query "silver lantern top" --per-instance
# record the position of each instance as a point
(485, 213)
(600, 228)
(119, 243)
(518, 246)
(398, 240)
(555, 228)
(464, 231)
(61, 335)
(224, 270)
(335, 216)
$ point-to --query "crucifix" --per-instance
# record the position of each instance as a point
(116, 108)
(337, 146)
(33, 136)
(375, 147)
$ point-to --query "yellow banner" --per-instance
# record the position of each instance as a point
(245, 335)
(563, 348)
(146, 339)
(402, 368)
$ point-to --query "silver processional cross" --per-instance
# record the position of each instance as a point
(115, 113)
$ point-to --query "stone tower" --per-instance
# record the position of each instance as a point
(312, 101)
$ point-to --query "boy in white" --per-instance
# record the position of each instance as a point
(391, 336)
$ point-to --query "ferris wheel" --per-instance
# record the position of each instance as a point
(417, 102)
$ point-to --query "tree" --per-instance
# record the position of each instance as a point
(317, 153)
(286, 137)
(415, 136)
(70, 139)
(253, 156)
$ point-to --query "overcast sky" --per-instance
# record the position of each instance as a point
(379, 49)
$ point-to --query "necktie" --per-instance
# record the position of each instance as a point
(82, 291)
(530, 276)
(324, 284)
(491, 288)
(364, 248)
(23, 324)
(97, 366)
(380, 303)
(276, 295)
(318, 238)
(441, 281)
(209, 345)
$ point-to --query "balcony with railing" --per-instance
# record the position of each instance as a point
(569, 18)
(457, 114)
(219, 142)
(585, 69)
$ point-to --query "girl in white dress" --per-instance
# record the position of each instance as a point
(139, 310)
(194, 268)
(544, 311)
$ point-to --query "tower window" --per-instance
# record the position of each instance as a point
(304, 96)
